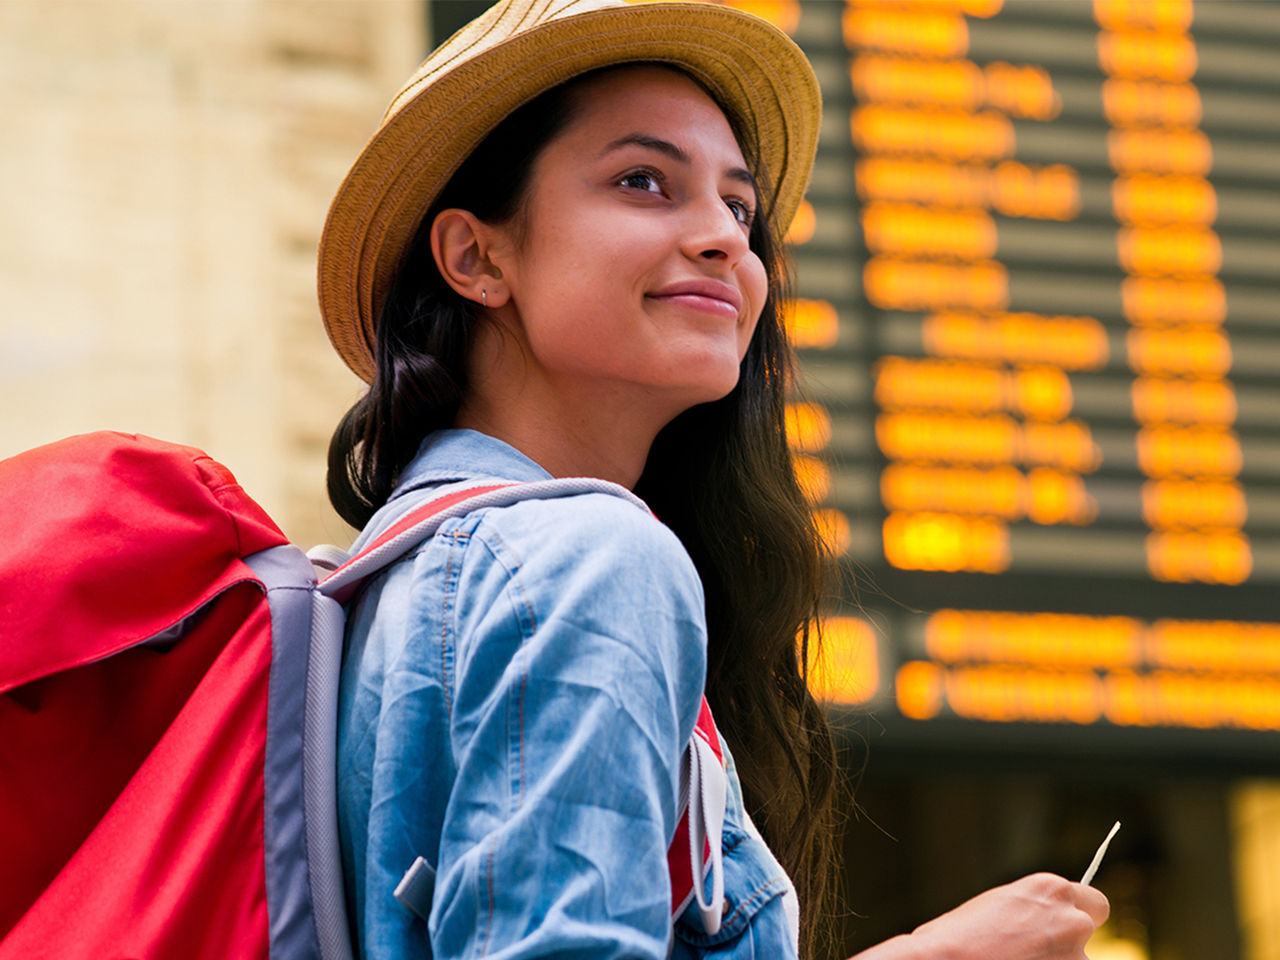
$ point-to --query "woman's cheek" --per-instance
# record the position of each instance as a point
(757, 289)
(744, 337)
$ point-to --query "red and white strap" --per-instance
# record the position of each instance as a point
(420, 523)
(695, 850)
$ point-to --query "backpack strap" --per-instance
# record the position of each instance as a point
(695, 849)
(421, 522)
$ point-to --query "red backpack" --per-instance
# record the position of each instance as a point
(168, 692)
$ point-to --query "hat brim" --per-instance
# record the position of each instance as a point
(755, 71)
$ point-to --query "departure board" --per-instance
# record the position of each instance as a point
(1038, 316)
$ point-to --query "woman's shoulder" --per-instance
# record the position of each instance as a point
(588, 591)
(596, 533)
(592, 565)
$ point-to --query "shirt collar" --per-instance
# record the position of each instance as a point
(457, 456)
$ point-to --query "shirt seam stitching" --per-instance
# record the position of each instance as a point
(513, 575)
(518, 586)
(750, 902)
(449, 593)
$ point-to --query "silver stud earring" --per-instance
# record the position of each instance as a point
(484, 299)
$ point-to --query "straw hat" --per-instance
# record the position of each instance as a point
(506, 57)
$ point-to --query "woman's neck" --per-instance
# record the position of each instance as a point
(580, 436)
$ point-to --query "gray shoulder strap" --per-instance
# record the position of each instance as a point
(306, 907)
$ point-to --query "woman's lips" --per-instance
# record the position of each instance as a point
(706, 296)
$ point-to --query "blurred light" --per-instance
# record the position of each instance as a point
(932, 437)
(1047, 193)
(1199, 451)
(1015, 189)
(1201, 700)
(919, 690)
(813, 476)
(1116, 949)
(1010, 667)
(1018, 694)
(1045, 496)
(923, 181)
(1255, 816)
(972, 8)
(1172, 15)
(1142, 54)
(901, 80)
(1056, 497)
(994, 491)
(834, 531)
(808, 426)
(1067, 445)
(907, 230)
(937, 437)
(1218, 556)
(1151, 200)
(1024, 91)
(893, 284)
(783, 14)
(951, 134)
(916, 29)
(1224, 645)
(1169, 250)
(963, 387)
(1178, 504)
(1185, 351)
(811, 323)
(846, 670)
(1038, 639)
(1042, 393)
(1072, 343)
(1207, 402)
(941, 541)
(802, 226)
(1150, 301)
(1039, 393)
(1148, 103)
(1160, 151)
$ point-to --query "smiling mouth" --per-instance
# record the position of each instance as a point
(700, 302)
(702, 295)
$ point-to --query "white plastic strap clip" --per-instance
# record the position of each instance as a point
(416, 887)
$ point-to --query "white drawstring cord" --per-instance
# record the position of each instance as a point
(707, 787)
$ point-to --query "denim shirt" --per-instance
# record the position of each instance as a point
(516, 697)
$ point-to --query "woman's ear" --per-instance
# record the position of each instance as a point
(462, 246)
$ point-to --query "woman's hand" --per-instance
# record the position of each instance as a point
(1040, 917)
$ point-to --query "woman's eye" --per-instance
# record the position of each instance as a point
(642, 180)
(742, 212)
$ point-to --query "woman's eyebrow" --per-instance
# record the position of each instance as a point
(677, 154)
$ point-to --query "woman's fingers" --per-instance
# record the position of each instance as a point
(1069, 912)
(1040, 917)
(1092, 902)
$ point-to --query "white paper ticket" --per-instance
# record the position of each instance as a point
(1097, 857)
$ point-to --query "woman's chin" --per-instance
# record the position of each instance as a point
(704, 390)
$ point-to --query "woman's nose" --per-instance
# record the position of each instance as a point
(714, 232)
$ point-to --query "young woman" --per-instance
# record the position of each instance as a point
(558, 257)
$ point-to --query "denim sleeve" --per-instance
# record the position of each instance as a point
(581, 658)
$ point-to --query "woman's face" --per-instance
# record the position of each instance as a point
(629, 267)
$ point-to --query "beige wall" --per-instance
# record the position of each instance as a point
(165, 167)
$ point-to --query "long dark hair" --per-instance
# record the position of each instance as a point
(719, 475)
